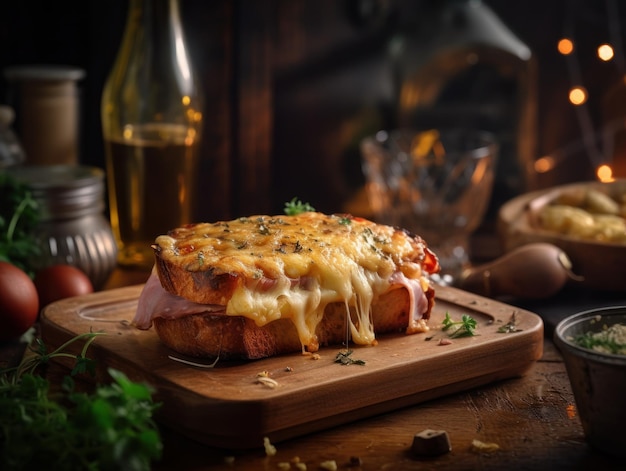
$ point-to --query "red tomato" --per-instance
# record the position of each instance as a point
(59, 282)
(19, 304)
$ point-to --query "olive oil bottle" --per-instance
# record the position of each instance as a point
(151, 123)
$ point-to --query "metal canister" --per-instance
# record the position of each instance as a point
(73, 229)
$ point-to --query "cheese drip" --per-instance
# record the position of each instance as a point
(305, 306)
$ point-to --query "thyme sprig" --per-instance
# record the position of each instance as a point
(466, 327)
(344, 357)
(38, 356)
(295, 207)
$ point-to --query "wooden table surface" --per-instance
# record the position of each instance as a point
(532, 420)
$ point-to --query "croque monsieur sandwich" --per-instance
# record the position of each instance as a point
(268, 285)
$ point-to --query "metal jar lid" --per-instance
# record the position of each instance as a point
(43, 73)
(63, 191)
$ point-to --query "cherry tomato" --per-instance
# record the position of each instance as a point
(61, 281)
(19, 303)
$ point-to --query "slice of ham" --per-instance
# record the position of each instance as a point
(155, 301)
(419, 303)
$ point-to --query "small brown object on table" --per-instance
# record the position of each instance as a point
(431, 443)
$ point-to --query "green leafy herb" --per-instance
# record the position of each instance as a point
(466, 327)
(587, 340)
(608, 340)
(40, 428)
(19, 217)
(345, 358)
(295, 207)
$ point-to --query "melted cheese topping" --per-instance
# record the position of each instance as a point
(295, 265)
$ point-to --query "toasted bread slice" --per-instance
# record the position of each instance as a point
(238, 337)
(289, 283)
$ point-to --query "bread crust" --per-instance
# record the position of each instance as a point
(237, 337)
(204, 287)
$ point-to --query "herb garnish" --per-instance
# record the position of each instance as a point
(509, 327)
(111, 428)
(608, 340)
(263, 229)
(201, 258)
(295, 207)
(373, 241)
(19, 218)
(345, 358)
(466, 327)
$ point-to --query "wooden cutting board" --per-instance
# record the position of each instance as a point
(226, 405)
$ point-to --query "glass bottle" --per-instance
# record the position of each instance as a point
(151, 123)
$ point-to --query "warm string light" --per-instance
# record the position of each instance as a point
(605, 173)
(578, 96)
(605, 52)
(565, 46)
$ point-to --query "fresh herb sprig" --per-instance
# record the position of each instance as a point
(295, 207)
(108, 429)
(19, 217)
(38, 356)
(344, 357)
(466, 327)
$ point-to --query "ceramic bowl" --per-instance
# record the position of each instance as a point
(598, 380)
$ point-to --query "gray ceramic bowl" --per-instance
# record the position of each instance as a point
(598, 379)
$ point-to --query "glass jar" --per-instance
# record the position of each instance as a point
(73, 229)
(47, 101)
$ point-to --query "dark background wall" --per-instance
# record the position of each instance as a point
(290, 84)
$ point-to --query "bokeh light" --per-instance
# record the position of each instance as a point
(605, 173)
(605, 52)
(544, 164)
(577, 95)
(565, 46)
